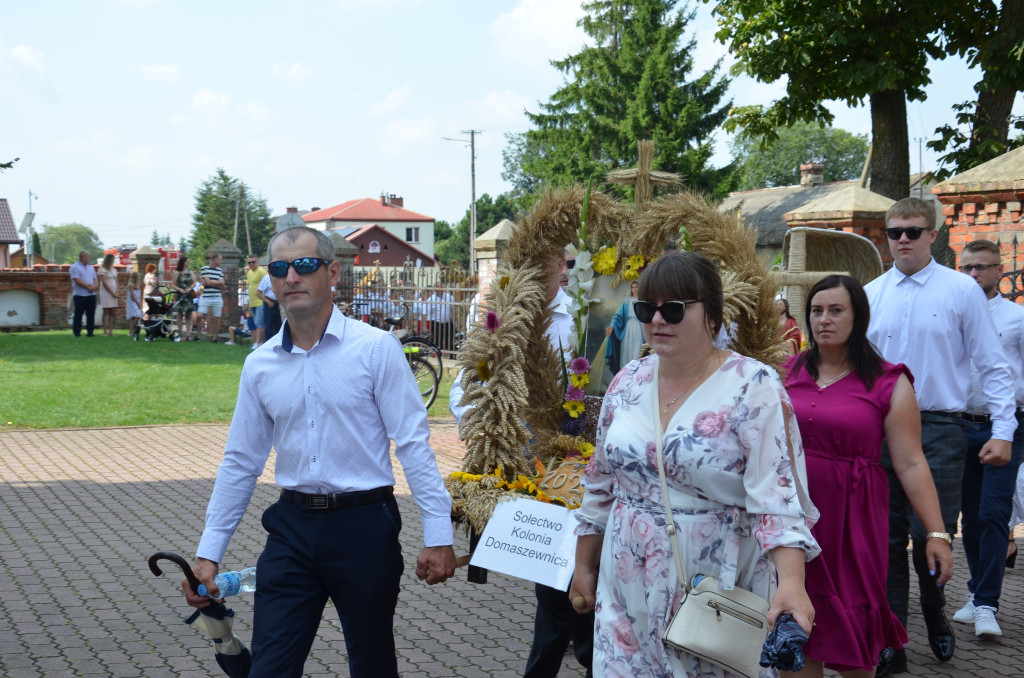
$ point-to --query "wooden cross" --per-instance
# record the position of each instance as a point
(797, 278)
(643, 178)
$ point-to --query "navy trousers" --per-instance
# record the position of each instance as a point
(351, 556)
(945, 447)
(554, 626)
(987, 504)
(84, 304)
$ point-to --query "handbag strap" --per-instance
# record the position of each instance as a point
(670, 523)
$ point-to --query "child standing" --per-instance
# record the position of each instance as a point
(133, 304)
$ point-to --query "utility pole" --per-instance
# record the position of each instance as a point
(248, 238)
(472, 174)
(234, 238)
(920, 168)
(30, 196)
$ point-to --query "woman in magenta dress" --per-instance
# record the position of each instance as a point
(847, 400)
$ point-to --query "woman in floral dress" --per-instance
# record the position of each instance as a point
(182, 286)
(726, 419)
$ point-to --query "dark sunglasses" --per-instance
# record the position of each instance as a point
(980, 268)
(672, 312)
(302, 266)
(914, 232)
(569, 263)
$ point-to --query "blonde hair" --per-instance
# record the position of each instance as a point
(133, 280)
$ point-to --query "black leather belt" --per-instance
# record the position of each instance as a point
(986, 418)
(337, 500)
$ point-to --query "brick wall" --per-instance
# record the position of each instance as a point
(53, 284)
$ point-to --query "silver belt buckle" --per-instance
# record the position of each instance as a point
(316, 501)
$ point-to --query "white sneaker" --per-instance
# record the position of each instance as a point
(965, 615)
(254, 347)
(229, 343)
(985, 625)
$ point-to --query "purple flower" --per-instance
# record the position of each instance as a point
(579, 365)
(492, 322)
(574, 393)
(573, 427)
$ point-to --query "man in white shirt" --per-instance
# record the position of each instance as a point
(935, 321)
(84, 285)
(442, 327)
(328, 393)
(988, 490)
(271, 310)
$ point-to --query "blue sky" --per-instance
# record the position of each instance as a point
(119, 109)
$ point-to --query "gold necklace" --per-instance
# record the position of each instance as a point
(835, 379)
(672, 402)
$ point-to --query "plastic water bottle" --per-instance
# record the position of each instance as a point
(232, 583)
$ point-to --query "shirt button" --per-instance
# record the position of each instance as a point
(311, 424)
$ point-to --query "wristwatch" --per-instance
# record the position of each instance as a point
(944, 536)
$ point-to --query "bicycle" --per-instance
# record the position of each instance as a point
(420, 351)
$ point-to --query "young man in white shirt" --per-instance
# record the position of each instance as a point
(329, 394)
(988, 490)
(935, 321)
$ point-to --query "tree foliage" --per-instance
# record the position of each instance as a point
(214, 216)
(870, 50)
(61, 244)
(633, 83)
(778, 164)
(451, 242)
(8, 165)
(992, 39)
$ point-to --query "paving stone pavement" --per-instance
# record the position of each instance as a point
(82, 510)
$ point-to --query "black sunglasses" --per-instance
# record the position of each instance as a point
(914, 232)
(672, 312)
(569, 264)
(302, 266)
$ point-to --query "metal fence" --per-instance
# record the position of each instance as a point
(435, 301)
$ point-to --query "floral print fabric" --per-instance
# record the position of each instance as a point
(733, 498)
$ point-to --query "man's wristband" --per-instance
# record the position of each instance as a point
(944, 536)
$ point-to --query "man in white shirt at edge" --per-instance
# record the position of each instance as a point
(312, 393)
(988, 490)
(935, 321)
(555, 622)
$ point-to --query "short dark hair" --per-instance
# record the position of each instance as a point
(861, 355)
(682, 276)
(983, 245)
(912, 207)
(324, 246)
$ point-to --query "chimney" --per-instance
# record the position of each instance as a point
(384, 199)
(397, 200)
(314, 209)
(292, 210)
(812, 174)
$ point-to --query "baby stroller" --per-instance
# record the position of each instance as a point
(158, 319)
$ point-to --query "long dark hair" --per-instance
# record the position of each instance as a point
(862, 356)
(785, 305)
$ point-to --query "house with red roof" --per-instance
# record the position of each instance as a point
(389, 213)
(9, 234)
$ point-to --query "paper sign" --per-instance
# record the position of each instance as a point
(531, 540)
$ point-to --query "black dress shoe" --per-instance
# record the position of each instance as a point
(940, 635)
(891, 662)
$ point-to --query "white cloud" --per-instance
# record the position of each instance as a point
(293, 71)
(142, 158)
(400, 136)
(500, 109)
(394, 100)
(535, 31)
(208, 102)
(29, 57)
(220, 112)
(160, 72)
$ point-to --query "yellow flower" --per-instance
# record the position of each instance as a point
(483, 371)
(574, 408)
(503, 282)
(586, 449)
(604, 261)
(579, 380)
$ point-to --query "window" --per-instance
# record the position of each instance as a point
(412, 234)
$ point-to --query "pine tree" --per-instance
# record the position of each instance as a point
(214, 217)
(632, 84)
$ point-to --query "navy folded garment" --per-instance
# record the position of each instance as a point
(784, 647)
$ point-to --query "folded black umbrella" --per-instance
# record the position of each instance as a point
(784, 647)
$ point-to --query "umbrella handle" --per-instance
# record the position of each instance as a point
(179, 561)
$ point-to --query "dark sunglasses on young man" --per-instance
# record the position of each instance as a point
(302, 266)
(914, 232)
(672, 312)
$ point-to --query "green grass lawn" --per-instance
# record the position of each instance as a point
(53, 380)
